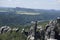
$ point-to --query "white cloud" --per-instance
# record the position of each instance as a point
(58, 1)
(9, 0)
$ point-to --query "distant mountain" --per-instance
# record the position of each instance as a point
(23, 16)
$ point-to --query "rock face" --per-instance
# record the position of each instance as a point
(53, 30)
(5, 29)
(33, 34)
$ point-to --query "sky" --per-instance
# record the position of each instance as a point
(35, 4)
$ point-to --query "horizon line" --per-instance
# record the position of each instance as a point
(29, 8)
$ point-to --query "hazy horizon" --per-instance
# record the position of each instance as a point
(33, 4)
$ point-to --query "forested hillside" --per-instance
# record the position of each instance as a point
(14, 16)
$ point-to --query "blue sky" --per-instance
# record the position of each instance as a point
(35, 4)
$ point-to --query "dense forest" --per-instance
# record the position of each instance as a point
(13, 16)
